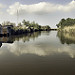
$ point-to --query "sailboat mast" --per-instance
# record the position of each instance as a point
(17, 16)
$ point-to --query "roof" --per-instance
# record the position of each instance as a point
(7, 26)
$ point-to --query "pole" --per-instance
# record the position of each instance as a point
(17, 16)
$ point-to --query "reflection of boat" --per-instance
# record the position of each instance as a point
(5, 40)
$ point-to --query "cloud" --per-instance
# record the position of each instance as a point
(40, 8)
(1, 6)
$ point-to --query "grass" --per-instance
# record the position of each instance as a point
(69, 29)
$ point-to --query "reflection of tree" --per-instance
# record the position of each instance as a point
(45, 32)
(25, 37)
(66, 37)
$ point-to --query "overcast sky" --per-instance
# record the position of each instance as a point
(45, 12)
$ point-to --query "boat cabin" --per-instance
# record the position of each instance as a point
(5, 30)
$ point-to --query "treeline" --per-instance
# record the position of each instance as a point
(24, 27)
(33, 26)
(66, 22)
(27, 25)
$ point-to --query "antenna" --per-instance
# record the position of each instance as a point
(17, 16)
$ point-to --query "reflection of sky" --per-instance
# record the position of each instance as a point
(45, 45)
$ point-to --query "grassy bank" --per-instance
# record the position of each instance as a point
(67, 25)
(68, 29)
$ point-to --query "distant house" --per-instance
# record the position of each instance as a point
(5, 30)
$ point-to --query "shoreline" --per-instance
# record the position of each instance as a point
(21, 31)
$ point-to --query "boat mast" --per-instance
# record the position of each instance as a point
(17, 16)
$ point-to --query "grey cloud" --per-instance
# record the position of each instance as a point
(40, 8)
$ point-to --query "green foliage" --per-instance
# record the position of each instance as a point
(35, 25)
(25, 22)
(26, 26)
(19, 24)
(48, 27)
(66, 22)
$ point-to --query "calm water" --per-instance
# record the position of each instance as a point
(39, 53)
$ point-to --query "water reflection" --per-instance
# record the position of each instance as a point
(38, 43)
(67, 38)
(39, 53)
(21, 46)
(24, 38)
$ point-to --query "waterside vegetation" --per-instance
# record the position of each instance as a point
(21, 28)
(67, 25)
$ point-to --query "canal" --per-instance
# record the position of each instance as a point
(38, 53)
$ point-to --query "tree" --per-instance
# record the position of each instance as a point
(48, 27)
(19, 24)
(67, 22)
(24, 22)
(27, 23)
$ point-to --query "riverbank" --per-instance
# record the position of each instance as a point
(66, 25)
(68, 29)
(9, 30)
(17, 31)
